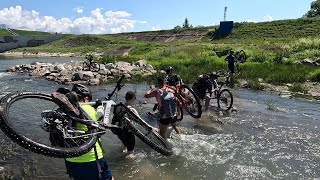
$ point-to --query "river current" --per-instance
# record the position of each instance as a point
(266, 137)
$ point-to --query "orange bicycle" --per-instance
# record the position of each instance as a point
(188, 100)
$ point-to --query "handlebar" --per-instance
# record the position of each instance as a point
(117, 88)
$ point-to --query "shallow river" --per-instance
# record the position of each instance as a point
(267, 137)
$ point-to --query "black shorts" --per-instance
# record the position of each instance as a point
(127, 138)
(231, 67)
(169, 120)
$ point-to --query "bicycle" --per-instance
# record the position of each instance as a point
(224, 96)
(186, 99)
(34, 119)
(90, 65)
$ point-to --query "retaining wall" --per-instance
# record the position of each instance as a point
(12, 42)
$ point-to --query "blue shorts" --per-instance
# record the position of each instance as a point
(88, 170)
(167, 121)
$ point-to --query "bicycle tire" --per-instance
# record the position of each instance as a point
(148, 135)
(19, 122)
(94, 67)
(225, 95)
(193, 106)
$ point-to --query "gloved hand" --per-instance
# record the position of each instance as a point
(98, 103)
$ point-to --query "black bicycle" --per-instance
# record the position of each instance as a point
(224, 96)
(90, 65)
(45, 124)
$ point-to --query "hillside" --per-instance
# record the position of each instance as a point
(274, 50)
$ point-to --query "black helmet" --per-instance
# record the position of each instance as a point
(82, 91)
(169, 70)
(213, 75)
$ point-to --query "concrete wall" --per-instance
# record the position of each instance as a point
(11, 42)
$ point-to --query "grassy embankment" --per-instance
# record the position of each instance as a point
(271, 48)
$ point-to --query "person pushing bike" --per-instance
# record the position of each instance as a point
(204, 86)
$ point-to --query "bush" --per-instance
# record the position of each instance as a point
(108, 59)
(298, 87)
(259, 57)
(255, 84)
(314, 75)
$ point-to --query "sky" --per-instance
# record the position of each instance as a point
(116, 16)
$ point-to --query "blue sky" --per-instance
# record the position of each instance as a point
(115, 16)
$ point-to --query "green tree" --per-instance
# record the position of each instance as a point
(314, 9)
(186, 24)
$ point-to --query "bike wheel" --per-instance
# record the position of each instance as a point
(94, 67)
(21, 121)
(190, 101)
(147, 134)
(225, 100)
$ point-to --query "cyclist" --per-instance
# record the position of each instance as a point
(167, 106)
(91, 165)
(231, 60)
(204, 86)
(172, 79)
(89, 57)
(126, 135)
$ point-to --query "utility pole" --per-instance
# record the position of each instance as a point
(225, 14)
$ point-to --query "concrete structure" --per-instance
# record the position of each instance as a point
(12, 42)
(3, 26)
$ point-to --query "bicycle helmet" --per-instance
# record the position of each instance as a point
(82, 91)
(213, 75)
(169, 70)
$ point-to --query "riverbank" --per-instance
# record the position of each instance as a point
(38, 54)
(309, 90)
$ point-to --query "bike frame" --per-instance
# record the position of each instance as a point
(184, 102)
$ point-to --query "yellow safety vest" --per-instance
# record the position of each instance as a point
(89, 156)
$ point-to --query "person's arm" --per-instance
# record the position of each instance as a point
(150, 93)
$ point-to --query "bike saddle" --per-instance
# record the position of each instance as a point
(64, 103)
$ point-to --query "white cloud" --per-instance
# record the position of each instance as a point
(156, 28)
(264, 19)
(97, 23)
(267, 18)
(78, 10)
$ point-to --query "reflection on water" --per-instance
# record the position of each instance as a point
(267, 137)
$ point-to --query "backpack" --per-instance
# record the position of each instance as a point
(168, 101)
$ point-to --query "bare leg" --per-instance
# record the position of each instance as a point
(163, 129)
(207, 101)
(176, 128)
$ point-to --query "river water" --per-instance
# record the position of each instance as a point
(267, 137)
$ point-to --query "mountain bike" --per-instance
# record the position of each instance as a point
(186, 99)
(90, 65)
(44, 124)
(224, 96)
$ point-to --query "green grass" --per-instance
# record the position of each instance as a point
(271, 49)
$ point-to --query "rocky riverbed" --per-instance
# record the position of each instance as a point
(74, 72)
